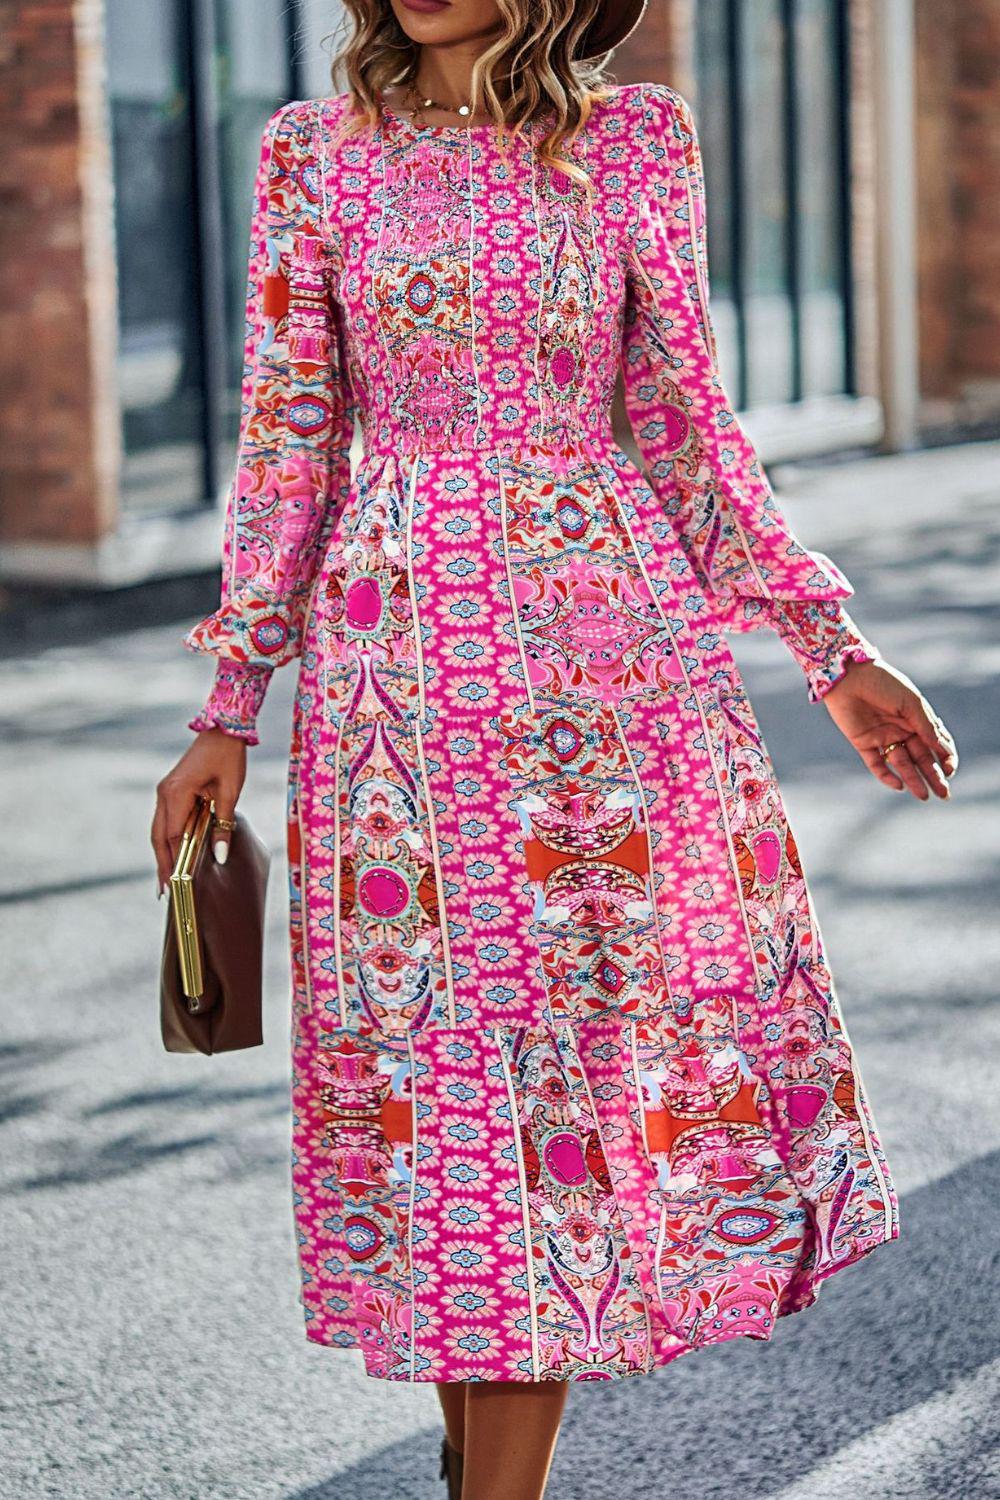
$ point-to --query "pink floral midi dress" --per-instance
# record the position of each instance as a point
(572, 1091)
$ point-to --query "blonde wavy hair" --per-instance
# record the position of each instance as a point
(532, 57)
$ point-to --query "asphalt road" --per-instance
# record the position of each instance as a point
(151, 1340)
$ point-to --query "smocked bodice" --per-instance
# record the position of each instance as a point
(480, 296)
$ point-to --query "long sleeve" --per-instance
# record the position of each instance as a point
(703, 469)
(292, 471)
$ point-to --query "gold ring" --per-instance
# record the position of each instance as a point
(227, 824)
(888, 749)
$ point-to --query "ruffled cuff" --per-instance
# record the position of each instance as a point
(235, 700)
(823, 639)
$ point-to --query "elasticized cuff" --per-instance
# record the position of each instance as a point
(235, 700)
(823, 639)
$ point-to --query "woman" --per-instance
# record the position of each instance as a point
(572, 1091)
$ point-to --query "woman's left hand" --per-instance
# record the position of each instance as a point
(874, 706)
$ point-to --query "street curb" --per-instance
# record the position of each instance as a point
(33, 618)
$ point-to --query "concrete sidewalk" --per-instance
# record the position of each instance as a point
(151, 1340)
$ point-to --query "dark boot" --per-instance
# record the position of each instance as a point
(451, 1469)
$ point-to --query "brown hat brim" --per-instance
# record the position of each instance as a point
(615, 20)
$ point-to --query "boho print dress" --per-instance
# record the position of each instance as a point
(572, 1091)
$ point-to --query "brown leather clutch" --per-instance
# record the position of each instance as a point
(211, 974)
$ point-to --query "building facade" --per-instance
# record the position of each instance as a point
(852, 152)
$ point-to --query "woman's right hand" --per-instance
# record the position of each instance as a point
(214, 766)
(876, 707)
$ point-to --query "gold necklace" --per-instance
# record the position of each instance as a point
(420, 103)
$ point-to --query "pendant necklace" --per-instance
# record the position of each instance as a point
(421, 103)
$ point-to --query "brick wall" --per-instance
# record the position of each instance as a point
(977, 185)
(661, 50)
(58, 421)
(958, 149)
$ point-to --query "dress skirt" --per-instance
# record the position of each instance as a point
(682, 1150)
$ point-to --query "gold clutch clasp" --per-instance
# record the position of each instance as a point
(182, 904)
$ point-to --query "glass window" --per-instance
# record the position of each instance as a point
(160, 359)
(254, 48)
(191, 85)
(772, 116)
(715, 133)
(769, 313)
(823, 230)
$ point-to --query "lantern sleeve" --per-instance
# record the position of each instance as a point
(292, 471)
(701, 466)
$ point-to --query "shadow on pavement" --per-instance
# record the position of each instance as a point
(80, 1161)
(749, 1418)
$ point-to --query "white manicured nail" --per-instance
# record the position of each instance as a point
(221, 851)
